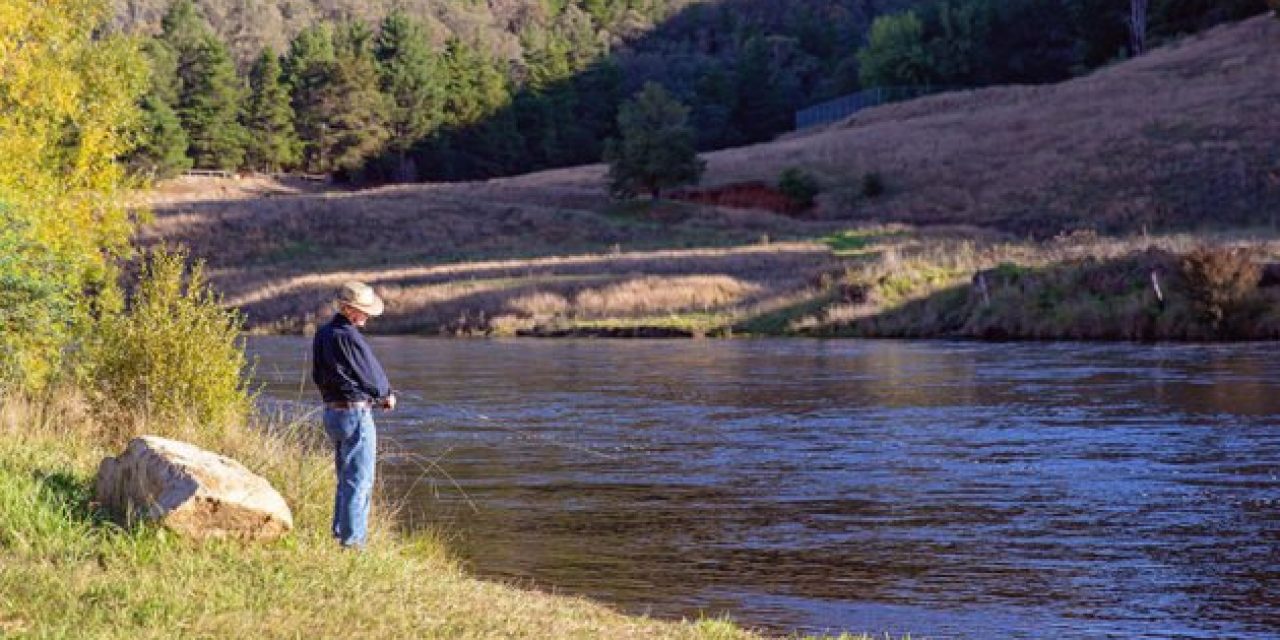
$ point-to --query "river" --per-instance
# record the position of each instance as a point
(943, 489)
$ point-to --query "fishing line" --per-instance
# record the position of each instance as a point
(525, 434)
(418, 460)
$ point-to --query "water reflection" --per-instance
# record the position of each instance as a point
(945, 489)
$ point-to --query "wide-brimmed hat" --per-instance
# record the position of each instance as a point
(360, 296)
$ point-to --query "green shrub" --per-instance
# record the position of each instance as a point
(175, 355)
(800, 186)
(1220, 281)
(872, 185)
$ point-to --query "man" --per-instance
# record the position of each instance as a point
(352, 383)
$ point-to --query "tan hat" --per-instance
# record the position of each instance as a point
(360, 296)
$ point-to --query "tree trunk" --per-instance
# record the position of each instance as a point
(1138, 27)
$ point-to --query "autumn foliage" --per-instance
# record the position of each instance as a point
(68, 100)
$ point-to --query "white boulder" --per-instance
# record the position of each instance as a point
(193, 492)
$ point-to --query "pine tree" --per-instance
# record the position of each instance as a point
(162, 142)
(410, 76)
(475, 86)
(308, 70)
(210, 107)
(353, 108)
(182, 28)
(273, 142)
(656, 150)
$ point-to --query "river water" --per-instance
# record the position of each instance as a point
(941, 489)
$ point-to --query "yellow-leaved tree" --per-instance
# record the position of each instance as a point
(68, 95)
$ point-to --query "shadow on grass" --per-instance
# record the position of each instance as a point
(1142, 296)
(71, 495)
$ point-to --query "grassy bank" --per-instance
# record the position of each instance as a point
(67, 572)
(1176, 287)
(582, 273)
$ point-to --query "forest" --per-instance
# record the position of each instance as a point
(466, 90)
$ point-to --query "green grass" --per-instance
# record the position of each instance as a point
(858, 243)
(698, 323)
(778, 322)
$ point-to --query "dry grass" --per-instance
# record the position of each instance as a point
(435, 298)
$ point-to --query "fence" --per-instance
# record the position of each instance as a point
(843, 107)
(208, 173)
(216, 173)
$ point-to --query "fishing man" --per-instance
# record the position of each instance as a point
(352, 383)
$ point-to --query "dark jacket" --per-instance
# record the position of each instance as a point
(343, 364)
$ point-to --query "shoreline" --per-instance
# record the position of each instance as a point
(874, 282)
(68, 571)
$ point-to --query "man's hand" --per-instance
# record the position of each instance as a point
(389, 402)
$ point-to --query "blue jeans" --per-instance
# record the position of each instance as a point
(355, 444)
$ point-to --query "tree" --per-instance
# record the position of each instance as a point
(308, 70)
(656, 150)
(162, 142)
(409, 72)
(1138, 26)
(759, 110)
(206, 89)
(352, 107)
(68, 109)
(480, 136)
(273, 141)
(182, 28)
(895, 53)
(958, 40)
(210, 107)
(475, 86)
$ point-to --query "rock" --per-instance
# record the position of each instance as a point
(195, 493)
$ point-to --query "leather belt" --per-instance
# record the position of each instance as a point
(360, 404)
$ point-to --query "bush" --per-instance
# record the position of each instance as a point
(872, 185)
(1220, 281)
(800, 186)
(175, 355)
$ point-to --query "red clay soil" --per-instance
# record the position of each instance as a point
(742, 195)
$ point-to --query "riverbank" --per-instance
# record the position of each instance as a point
(863, 281)
(69, 572)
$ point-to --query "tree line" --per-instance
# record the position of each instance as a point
(396, 102)
(977, 43)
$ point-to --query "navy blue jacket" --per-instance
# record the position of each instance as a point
(343, 364)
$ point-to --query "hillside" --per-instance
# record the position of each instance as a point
(1184, 138)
